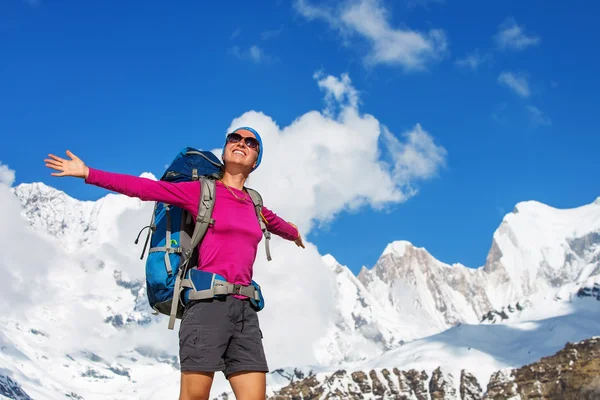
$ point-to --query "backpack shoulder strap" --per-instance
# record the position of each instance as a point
(203, 220)
(205, 209)
(258, 205)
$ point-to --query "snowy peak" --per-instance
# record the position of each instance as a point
(75, 223)
(398, 261)
(553, 223)
(398, 248)
(329, 261)
(429, 295)
(52, 211)
(538, 247)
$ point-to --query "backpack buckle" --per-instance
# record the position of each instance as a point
(237, 288)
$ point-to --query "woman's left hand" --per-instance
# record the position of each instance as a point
(298, 240)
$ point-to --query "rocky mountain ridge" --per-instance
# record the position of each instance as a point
(571, 373)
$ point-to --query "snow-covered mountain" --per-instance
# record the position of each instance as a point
(86, 331)
(429, 295)
(79, 224)
(537, 248)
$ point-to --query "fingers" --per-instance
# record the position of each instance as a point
(53, 161)
(71, 155)
(56, 158)
(54, 165)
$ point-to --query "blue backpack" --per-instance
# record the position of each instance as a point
(172, 280)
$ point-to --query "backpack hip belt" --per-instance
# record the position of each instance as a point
(200, 285)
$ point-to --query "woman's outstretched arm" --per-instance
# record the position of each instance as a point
(182, 194)
(280, 227)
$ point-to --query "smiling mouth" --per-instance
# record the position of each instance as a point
(239, 152)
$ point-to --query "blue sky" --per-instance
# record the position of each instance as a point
(509, 89)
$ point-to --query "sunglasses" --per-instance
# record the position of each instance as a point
(249, 141)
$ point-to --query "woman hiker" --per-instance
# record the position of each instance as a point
(213, 335)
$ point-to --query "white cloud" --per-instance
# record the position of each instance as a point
(538, 117)
(417, 158)
(338, 92)
(473, 60)
(517, 82)
(7, 175)
(369, 20)
(512, 36)
(254, 53)
(325, 163)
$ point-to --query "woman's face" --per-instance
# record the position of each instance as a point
(239, 153)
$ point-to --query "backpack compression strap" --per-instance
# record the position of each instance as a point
(203, 220)
(258, 204)
(167, 247)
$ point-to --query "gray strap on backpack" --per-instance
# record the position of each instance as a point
(168, 240)
(205, 210)
(176, 293)
(203, 220)
(258, 205)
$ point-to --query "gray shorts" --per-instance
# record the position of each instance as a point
(221, 335)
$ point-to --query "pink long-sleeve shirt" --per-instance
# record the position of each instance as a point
(230, 245)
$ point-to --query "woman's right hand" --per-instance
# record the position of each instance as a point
(73, 167)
